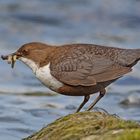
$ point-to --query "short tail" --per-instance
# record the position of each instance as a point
(129, 57)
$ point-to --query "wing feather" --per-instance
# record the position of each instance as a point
(89, 72)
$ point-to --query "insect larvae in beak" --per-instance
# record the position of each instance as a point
(9, 60)
(14, 58)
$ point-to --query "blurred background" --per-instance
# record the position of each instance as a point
(25, 104)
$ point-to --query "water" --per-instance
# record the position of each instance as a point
(26, 105)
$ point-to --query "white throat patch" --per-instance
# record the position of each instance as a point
(31, 64)
(43, 74)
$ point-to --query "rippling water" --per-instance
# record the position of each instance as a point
(25, 104)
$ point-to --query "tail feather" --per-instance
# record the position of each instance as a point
(129, 57)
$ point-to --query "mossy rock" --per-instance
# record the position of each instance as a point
(89, 126)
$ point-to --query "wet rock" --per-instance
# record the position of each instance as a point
(132, 100)
(39, 94)
(88, 126)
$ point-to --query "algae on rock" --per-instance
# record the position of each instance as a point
(89, 126)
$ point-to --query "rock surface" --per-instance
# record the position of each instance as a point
(89, 126)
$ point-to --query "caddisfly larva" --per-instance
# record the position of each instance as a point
(14, 58)
(9, 60)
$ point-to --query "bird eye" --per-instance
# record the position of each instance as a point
(25, 52)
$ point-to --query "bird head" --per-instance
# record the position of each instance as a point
(28, 52)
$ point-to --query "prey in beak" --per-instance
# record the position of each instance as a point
(11, 59)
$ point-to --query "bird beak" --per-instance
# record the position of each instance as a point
(11, 58)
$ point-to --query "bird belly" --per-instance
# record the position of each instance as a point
(44, 75)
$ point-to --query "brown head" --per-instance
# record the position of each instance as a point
(35, 51)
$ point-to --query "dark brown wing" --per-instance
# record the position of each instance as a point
(87, 72)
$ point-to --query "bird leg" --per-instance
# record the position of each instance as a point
(102, 93)
(86, 98)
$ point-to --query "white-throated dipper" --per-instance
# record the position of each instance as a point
(76, 69)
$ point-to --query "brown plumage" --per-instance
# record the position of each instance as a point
(80, 69)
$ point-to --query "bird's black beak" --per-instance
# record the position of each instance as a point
(11, 58)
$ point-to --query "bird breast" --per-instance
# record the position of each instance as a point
(44, 75)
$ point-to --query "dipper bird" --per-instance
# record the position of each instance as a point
(76, 69)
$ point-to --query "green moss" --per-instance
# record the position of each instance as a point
(133, 134)
(88, 125)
